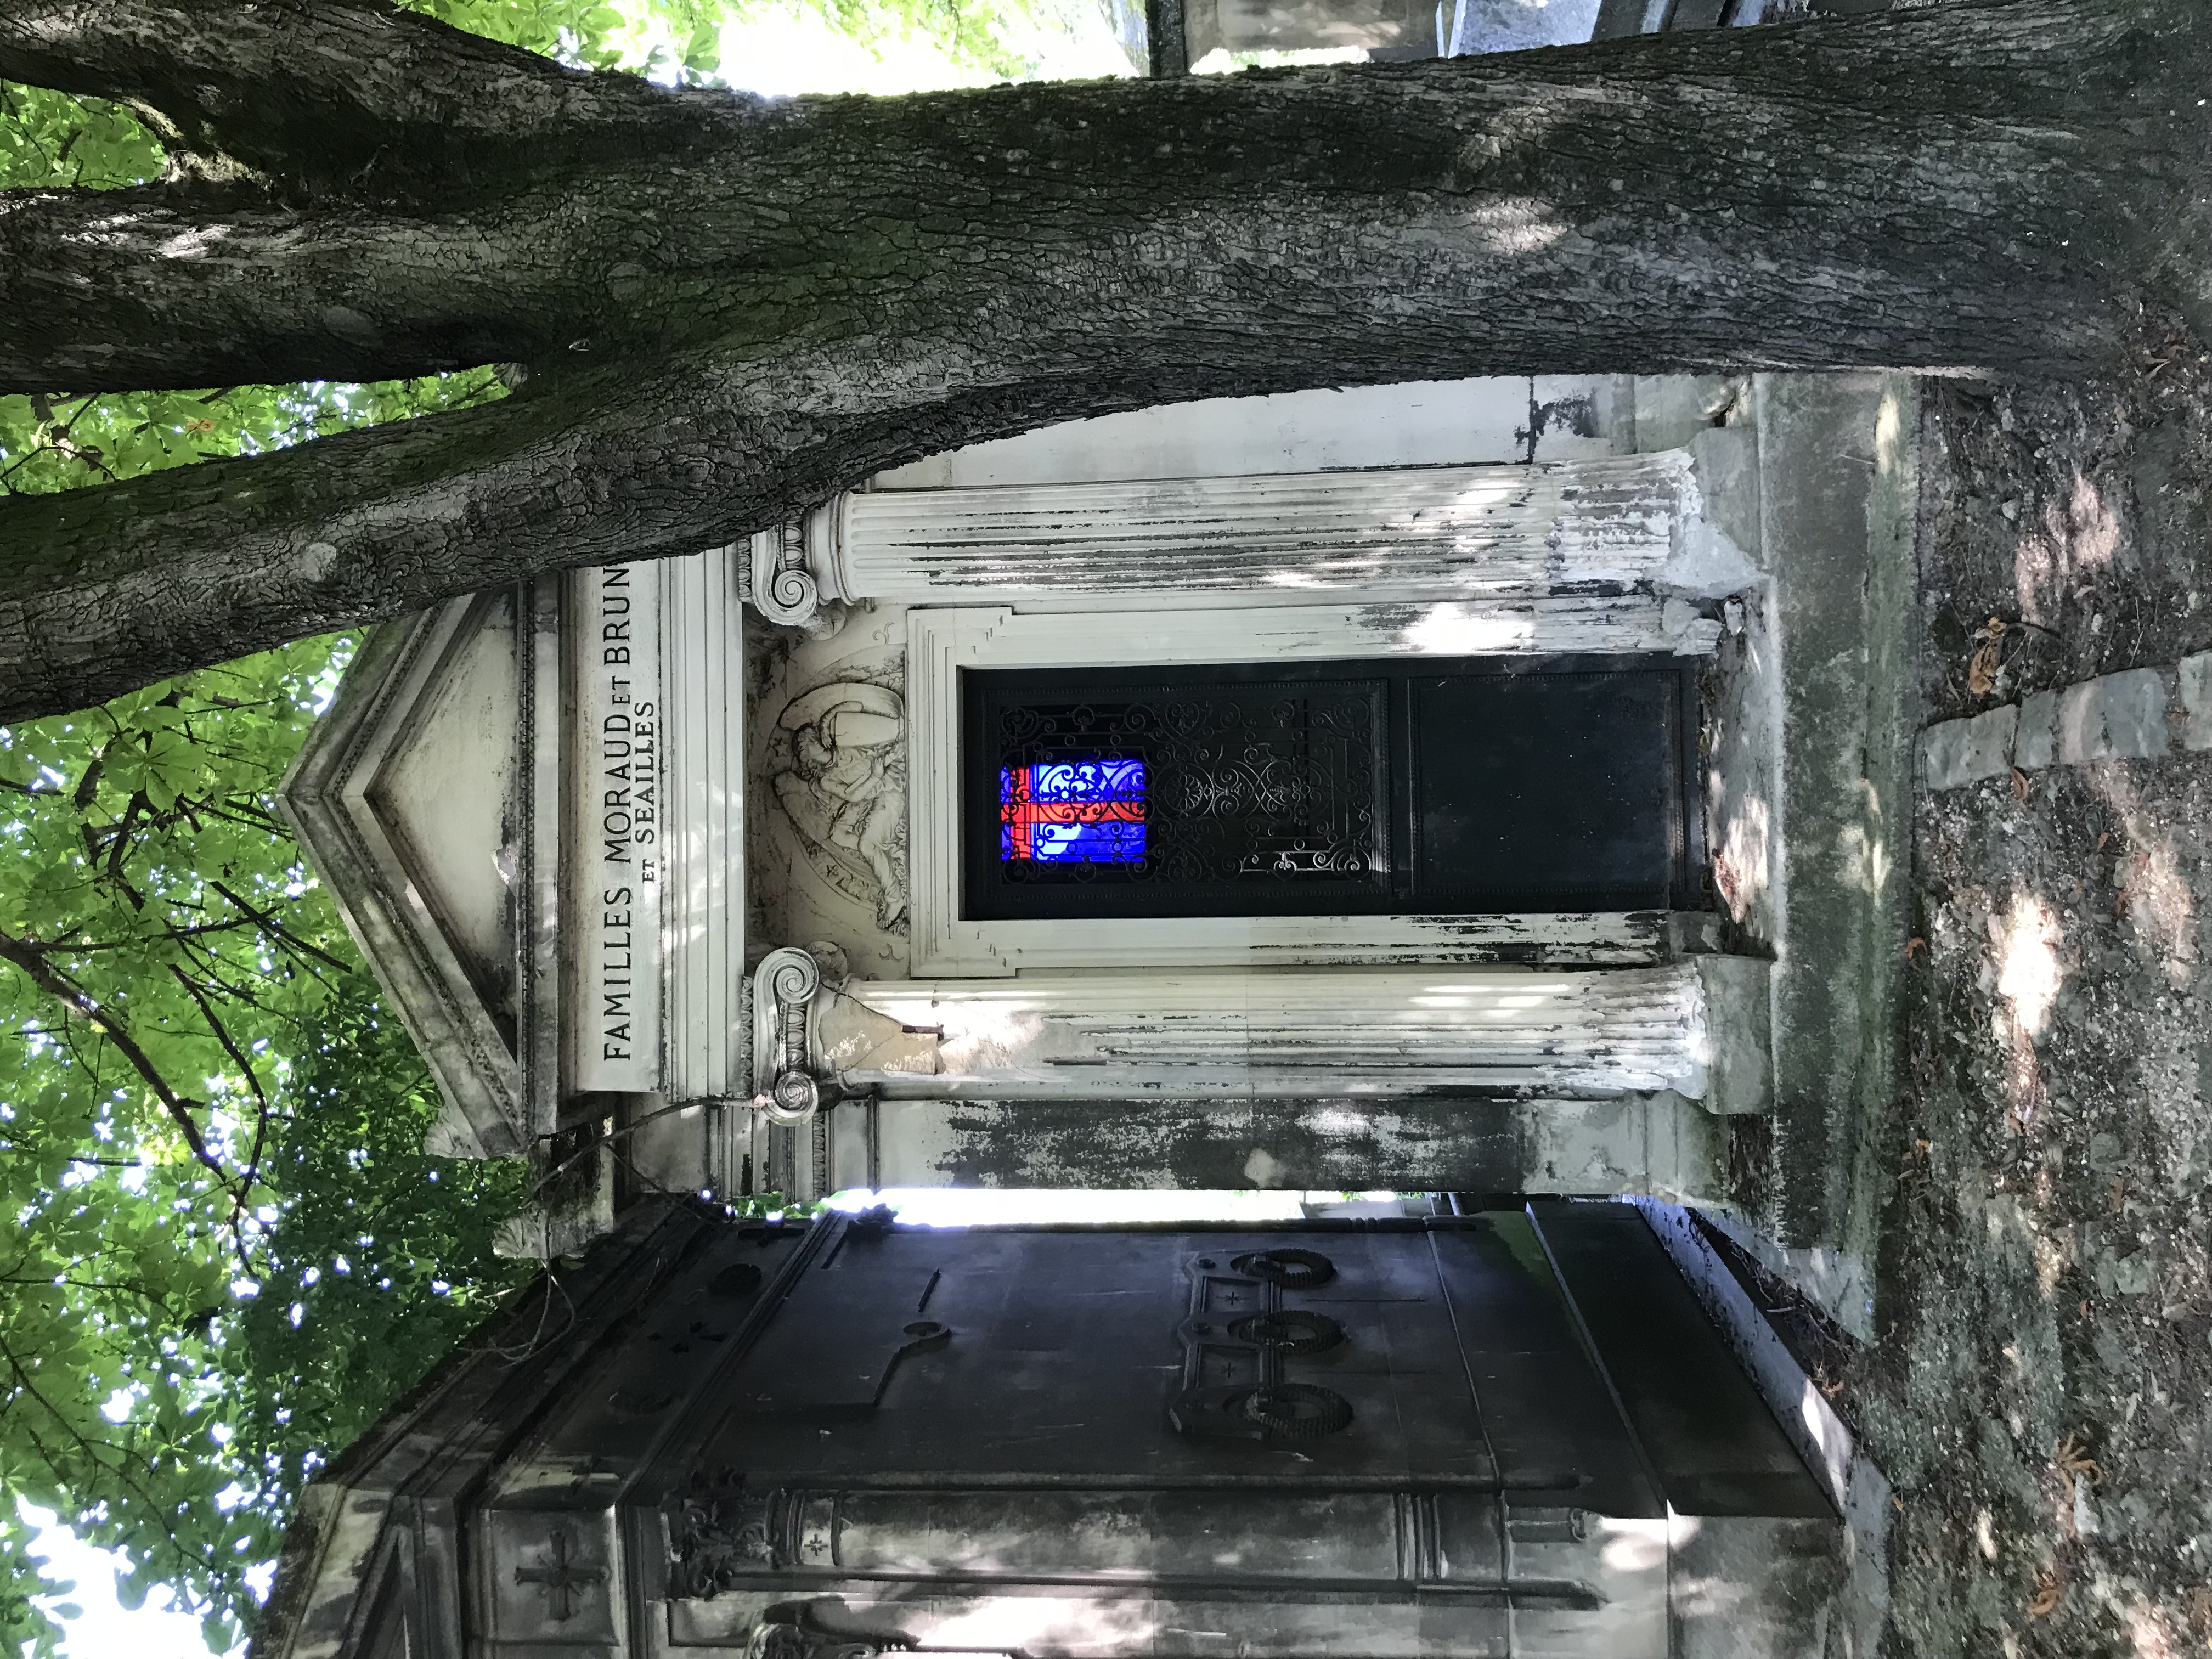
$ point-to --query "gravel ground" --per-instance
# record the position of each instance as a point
(2037, 1389)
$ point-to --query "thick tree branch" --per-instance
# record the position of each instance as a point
(1699, 191)
(734, 315)
(143, 289)
(316, 96)
(212, 561)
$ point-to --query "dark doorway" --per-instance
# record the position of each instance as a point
(1458, 785)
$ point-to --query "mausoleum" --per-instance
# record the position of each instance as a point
(1492, 789)
(1374, 789)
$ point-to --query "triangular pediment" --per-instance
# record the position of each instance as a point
(445, 797)
(411, 799)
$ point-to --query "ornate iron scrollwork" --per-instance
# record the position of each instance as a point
(1291, 1330)
(1297, 1411)
(722, 1532)
(1235, 1343)
(1293, 1270)
(1243, 784)
(778, 1641)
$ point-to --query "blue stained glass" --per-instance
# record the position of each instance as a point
(1073, 811)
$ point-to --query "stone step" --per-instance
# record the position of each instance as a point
(2141, 713)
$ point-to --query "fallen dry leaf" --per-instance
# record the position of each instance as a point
(1982, 670)
(1988, 660)
(2021, 784)
(2050, 1587)
(2072, 1460)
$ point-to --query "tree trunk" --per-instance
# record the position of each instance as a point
(730, 308)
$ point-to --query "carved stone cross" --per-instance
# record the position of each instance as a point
(561, 1581)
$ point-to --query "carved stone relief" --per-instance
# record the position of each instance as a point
(840, 776)
(555, 1576)
(830, 769)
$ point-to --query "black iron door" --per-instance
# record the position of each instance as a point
(1309, 1441)
(1430, 787)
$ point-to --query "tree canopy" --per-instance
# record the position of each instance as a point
(229, 1249)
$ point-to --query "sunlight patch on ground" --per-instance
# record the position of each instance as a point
(2029, 970)
(2076, 540)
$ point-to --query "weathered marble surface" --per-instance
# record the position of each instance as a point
(827, 762)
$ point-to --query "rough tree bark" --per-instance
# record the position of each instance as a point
(730, 307)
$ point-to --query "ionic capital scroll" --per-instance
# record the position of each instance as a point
(784, 988)
(792, 571)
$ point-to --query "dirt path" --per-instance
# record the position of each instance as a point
(2040, 1391)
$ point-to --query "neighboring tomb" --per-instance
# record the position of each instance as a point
(1394, 1438)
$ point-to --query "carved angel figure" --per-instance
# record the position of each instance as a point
(844, 787)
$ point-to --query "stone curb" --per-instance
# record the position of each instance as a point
(2134, 715)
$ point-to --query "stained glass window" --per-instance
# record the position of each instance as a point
(1396, 786)
(1087, 812)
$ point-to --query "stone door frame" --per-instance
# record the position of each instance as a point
(941, 643)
